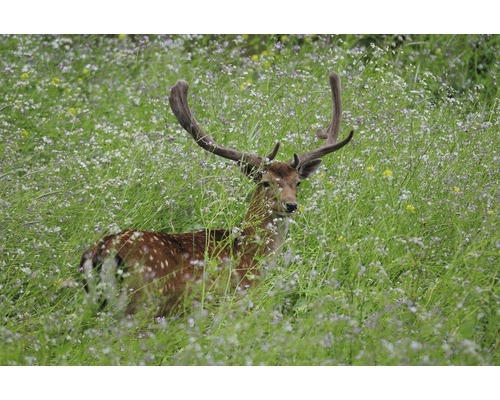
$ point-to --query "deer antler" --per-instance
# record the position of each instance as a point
(178, 103)
(331, 133)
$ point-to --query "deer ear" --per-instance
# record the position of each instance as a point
(308, 168)
(252, 172)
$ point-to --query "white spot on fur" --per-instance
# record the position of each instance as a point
(136, 235)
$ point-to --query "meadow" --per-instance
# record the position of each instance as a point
(392, 258)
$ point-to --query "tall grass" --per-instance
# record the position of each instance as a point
(393, 256)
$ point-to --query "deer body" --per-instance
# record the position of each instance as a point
(168, 263)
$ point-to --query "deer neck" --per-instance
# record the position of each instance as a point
(262, 231)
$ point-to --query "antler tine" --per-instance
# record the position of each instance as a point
(178, 103)
(331, 133)
(273, 153)
(320, 151)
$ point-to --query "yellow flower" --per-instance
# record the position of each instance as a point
(410, 208)
(85, 71)
(490, 212)
(55, 81)
(456, 189)
(73, 111)
(122, 36)
(341, 238)
(25, 76)
(243, 85)
(370, 168)
(24, 133)
(388, 173)
(284, 38)
(255, 57)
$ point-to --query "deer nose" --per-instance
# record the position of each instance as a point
(290, 207)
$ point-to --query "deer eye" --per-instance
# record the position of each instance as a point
(266, 184)
(298, 184)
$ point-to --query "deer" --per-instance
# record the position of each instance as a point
(171, 263)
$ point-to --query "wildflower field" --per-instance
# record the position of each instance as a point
(391, 259)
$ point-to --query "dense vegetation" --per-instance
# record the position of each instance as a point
(393, 256)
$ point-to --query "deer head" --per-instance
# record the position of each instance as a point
(277, 182)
